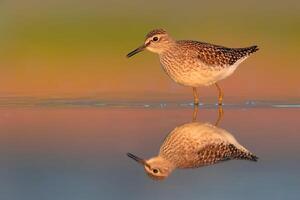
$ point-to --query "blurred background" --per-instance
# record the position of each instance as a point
(91, 105)
(77, 48)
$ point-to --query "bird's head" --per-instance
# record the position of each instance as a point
(156, 168)
(157, 41)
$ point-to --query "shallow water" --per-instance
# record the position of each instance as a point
(77, 150)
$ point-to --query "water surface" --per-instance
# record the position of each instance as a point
(64, 151)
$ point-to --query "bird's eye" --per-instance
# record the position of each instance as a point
(155, 39)
(155, 171)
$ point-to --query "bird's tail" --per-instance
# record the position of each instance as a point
(249, 50)
(252, 49)
(242, 155)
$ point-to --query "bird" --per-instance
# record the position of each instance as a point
(193, 145)
(193, 63)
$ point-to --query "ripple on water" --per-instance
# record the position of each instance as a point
(94, 102)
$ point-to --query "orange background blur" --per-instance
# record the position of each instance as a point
(78, 48)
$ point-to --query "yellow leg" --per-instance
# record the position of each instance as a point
(195, 113)
(220, 100)
(196, 96)
(220, 115)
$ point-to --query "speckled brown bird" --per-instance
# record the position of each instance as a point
(192, 63)
(193, 145)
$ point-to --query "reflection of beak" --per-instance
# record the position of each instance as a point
(137, 159)
(137, 50)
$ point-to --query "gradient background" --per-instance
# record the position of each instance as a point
(72, 105)
(77, 48)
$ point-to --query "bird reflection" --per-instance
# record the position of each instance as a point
(193, 145)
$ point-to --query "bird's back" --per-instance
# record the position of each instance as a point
(216, 55)
(193, 63)
(196, 144)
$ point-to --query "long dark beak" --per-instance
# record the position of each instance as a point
(137, 50)
(137, 159)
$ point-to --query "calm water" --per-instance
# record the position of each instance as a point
(66, 150)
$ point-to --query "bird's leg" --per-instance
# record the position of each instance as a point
(196, 97)
(195, 113)
(220, 115)
(220, 100)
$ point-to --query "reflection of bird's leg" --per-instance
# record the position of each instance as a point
(220, 100)
(220, 115)
(196, 96)
(195, 113)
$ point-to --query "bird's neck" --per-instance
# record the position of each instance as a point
(167, 162)
(169, 49)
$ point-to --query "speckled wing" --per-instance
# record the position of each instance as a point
(198, 144)
(214, 153)
(215, 55)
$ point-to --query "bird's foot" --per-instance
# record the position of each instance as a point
(220, 101)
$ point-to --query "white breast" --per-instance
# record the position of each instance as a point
(195, 74)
